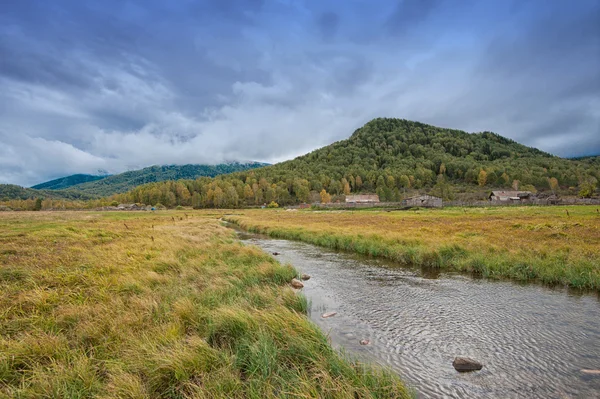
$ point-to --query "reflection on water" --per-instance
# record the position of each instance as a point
(534, 341)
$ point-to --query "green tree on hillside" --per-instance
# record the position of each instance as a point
(587, 188)
(38, 204)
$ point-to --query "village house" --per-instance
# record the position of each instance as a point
(362, 199)
(426, 201)
(509, 196)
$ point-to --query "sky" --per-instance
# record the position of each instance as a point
(119, 85)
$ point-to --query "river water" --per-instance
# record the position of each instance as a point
(534, 341)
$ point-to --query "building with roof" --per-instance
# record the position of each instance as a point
(425, 201)
(509, 196)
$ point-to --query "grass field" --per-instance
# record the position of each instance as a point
(144, 305)
(552, 245)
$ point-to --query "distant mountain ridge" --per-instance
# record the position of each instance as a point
(65, 182)
(125, 181)
(82, 186)
(14, 192)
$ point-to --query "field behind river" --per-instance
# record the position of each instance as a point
(158, 305)
(552, 245)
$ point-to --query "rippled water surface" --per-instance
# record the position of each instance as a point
(533, 341)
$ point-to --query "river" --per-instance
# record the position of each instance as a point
(534, 341)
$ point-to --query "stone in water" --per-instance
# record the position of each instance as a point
(466, 364)
(297, 283)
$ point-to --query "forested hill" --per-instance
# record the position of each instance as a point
(400, 147)
(123, 182)
(387, 156)
(400, 150)
(66, 182)
(88, 186)
(13, 192)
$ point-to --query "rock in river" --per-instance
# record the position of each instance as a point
(466, 364)
(365, 342)
(328, 315)
(588, 371)
(305, 277)
(297, 283)
(276, 253)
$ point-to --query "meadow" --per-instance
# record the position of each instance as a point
(159, 305)
(550, 245)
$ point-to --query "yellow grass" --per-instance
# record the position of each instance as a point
(556, 245)
(144, 305)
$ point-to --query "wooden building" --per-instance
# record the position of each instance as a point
(509, 196)
(425, 201)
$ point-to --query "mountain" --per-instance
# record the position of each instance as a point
(66, 182)
(12, 192)
(123, 182)
(89, 187)
(390, 156)
(395, 148)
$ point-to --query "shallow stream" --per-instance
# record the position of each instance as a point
(534, 341)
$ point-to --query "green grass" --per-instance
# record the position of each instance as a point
(541, 244)
(158, 309)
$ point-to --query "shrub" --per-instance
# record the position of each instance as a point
(273, 204)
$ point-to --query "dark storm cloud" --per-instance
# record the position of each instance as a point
(409, 13)
(328, 23)
(113, 85)
(549, 73)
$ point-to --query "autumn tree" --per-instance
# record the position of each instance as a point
(346, 187)
(196, 200)
(505, 178)
(553, 183)
(231, 197)
(325, 197)
(248, 193)
(482, 178)
(359, 182)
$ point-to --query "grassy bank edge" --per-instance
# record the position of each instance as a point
(553, 270)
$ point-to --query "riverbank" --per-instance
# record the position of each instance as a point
(551, 245)
(168, 305)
